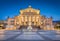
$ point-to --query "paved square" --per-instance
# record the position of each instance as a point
(29, 35)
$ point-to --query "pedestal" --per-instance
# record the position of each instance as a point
(29, 28)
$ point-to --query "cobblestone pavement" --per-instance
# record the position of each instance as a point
(19, 35)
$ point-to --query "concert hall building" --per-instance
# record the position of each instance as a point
(30, 16)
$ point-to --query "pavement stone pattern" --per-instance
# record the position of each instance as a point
(20, 35)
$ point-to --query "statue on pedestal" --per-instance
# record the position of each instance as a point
(29, 27)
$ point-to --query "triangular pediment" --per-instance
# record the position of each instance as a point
(29, 9)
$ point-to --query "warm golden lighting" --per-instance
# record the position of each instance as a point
(31, 16)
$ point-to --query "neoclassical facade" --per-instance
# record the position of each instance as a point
(30, 16)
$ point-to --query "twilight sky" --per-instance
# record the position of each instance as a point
(47, 7)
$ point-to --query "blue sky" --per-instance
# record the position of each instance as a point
(47, 7)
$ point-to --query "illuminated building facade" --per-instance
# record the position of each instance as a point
(30, 16)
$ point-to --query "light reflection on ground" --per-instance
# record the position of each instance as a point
(29, 35)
